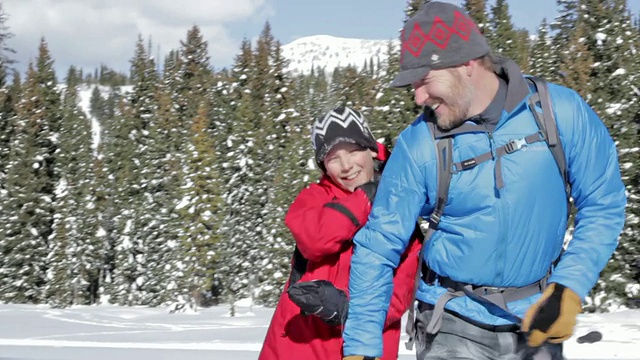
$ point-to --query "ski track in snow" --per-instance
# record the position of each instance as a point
(138, 332)
(134, 345)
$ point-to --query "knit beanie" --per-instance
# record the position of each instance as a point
(340, 125)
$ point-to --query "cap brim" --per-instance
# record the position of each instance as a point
(408, 77)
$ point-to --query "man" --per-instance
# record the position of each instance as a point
(495, 255)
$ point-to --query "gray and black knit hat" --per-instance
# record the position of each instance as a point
(340, 125)
(438, 36)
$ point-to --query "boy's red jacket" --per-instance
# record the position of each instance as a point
(323, 220)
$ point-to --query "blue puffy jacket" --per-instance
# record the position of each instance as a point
(503, 238)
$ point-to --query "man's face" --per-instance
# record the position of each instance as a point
(349, 165)
(448, 93)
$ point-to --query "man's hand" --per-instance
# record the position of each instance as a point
(553, 318)
(358, 357)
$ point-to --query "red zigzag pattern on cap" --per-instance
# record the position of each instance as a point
(439, 34)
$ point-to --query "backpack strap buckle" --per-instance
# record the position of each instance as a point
(434, 221)
(514, 145)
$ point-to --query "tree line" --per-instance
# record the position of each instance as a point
(173, 188)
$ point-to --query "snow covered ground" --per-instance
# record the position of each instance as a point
(109, 332)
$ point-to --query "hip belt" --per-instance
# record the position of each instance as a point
(494, 299)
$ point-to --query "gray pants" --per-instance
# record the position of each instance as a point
(458, 339)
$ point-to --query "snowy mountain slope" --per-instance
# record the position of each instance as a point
(84, 102)
(329, 52)
(84, 95)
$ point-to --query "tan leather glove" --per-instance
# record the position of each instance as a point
(553, 317)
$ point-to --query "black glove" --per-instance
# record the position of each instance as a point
(370, 189)
(322, 299)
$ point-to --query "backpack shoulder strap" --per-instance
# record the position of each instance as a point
(444, 160)
(548, 126)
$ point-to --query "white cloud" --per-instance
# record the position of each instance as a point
(87, 33)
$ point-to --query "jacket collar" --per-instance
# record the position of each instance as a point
(337, 191)
(517, 88)
(517, 91)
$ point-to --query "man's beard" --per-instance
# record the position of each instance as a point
(450, 122)
(458, 103)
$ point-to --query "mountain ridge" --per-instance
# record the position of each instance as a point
(329, 52)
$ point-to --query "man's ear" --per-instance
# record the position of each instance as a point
(469, 67)
(373, 154)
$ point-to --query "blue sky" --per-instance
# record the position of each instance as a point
(345, 18)
(88, 33)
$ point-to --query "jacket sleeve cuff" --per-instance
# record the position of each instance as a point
(356, 207)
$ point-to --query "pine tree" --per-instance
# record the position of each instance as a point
(477, 10)
(109, 164)
(505, 40)
(350, 87)
(158, 186)
(576, 71)
(601, 65)
(311, 94)
(620, 45)
(96, 103)
(171, 80)
(6, 59)
(200, 207)
(7, 134)
(110, 143)
(262, 81)
(221, 133)
(543, 60)
(318, 95)
(523, 49)
(30, 185)
(283, 159)
(194, 75)
(6, 98)
(77, 255)
(412, 7)
(166, 168)
(599, 24)
(221, 113)
(134, 222)
(244, 198)
(200, 184)
(374, 71)
(395, 108)
(255, 201)
(564, 24)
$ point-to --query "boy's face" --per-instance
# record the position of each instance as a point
(349, 165)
